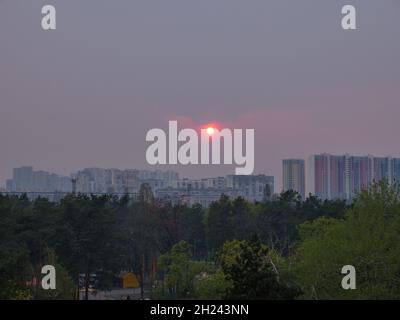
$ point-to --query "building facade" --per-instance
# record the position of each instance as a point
(293, 175)
(344, 176)
(25, 179)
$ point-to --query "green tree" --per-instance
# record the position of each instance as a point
(228, 219)
(14, 256)
(253, 273)
(178, 271)
(366, 238)
(277, 220)
(85, 234)
(64, 283)
(212, 286)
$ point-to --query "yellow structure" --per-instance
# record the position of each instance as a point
(129, 280)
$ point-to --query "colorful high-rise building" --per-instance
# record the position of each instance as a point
(344, 176)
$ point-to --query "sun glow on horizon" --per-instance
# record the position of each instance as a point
(210, 131)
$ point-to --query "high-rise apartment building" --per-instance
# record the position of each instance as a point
(25, 179)
(395, 170)
(251, 187)
(344, 176)
(99, 180)
(294, 175)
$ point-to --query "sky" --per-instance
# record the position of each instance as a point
(86, 94)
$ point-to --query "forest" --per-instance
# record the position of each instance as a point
(284, 248)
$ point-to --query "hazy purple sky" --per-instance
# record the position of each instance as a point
(86, 94)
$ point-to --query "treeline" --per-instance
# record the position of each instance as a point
(285, 248)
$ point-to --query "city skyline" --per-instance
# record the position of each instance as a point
(164, 185)
(304, 85)
(326, 175)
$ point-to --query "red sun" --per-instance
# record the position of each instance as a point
(210, 131)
